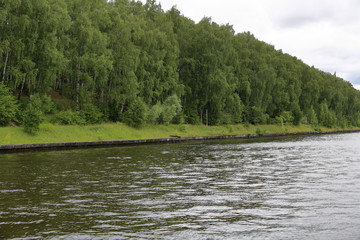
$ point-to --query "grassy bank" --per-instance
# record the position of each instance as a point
(118, 131)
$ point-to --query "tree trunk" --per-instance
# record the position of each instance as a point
(4, 71)
(77, 94)
(22, 87)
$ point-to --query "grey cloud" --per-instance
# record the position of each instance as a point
(297, 21)
(295, 13)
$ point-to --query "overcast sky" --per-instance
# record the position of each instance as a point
(322, 33)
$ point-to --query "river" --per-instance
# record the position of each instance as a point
(283, 188)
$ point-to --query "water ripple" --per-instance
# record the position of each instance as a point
(286, 188)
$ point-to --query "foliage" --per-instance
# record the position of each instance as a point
(171, 109)
(109, 53)
(69, 118)
(256, 116)
(326, 117)
(287, 117)
(153, 114)
(168, 112)
(33, 115)
(8, 106)
(47, 105)
(91, 114)
(135, 115)
(296, 113)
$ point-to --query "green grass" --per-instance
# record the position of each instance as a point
(119, 131)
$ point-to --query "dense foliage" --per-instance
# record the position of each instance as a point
(114, 57)
(7, 106)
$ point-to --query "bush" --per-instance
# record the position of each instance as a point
(279, 120)
(8, 107)
(287, 116)
(327, 117)
(297, 114)
(257, 116)
(234, 110)
(154, 113)
(135, 115)
(91, 114)
(168, 112)
(47, 105)
(192, 116)
(69, 118)
(171, 109)
(226, 118)
(33, 115)
(310, 117)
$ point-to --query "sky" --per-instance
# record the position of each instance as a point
(322, 33)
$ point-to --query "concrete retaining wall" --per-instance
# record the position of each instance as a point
(92, 144)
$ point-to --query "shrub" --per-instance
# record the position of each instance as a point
(91, 114)
(225, 118)
(168, 113)
(311, 117)
(327, 117)
(234, 110)
(256, 115)
(192, 116)
(47, 105)
(297, 114)
(32, 119)
(33, 115)
(171, 109)
(287, 117)
(154, 113)
(69, 118)
(8, 107)
(135, 115)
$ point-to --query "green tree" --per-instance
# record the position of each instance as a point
(90, 58)
(296, 112)
(33, 115)
(136, 113)
(170, 109)
(91, 114)
(8, 106)
(153, 114)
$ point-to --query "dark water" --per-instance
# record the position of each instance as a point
(294, 188)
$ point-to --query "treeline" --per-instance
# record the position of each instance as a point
(127, 61)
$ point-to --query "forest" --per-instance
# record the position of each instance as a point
(90, 61)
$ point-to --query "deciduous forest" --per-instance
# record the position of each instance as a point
(88, 61)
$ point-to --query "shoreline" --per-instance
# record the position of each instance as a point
(14, 148)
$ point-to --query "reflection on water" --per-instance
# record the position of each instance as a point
(298, 188)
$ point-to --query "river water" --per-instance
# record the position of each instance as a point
(284, 188)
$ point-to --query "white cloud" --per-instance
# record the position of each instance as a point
(357, 86)
(322, 33)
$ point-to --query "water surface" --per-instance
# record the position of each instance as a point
(287, 188)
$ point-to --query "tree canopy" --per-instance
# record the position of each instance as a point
(115, 54)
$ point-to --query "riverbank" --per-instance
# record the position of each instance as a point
(117, 134)
(173, 139)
